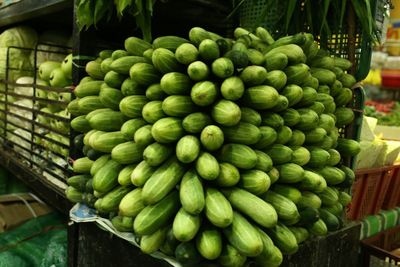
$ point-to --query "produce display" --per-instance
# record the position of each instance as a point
(26, 115)
(216, 149)
(45, 116)
(58, 75)
(387, 113)
(18, 62)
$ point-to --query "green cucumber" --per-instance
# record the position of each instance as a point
(162, 181)
(188, 149)
(191, 193)
(153, 217)
(218, 210)
(242, 235)
(185, 225)
(241, 200)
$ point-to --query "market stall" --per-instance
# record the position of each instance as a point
(208, 136)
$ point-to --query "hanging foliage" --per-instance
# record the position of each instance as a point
(91, 12)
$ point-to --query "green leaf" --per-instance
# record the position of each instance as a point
(325, 8)
(289, 13)
(309, 14)
(370, 18)
(122, 5)
(85, 14)
(362, 9)
(139, 5)
(342, 12)
(142, 10)
(102, 7)
(149, 6)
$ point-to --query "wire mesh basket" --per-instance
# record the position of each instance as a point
(34, 123)
(347, 41)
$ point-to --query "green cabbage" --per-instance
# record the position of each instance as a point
(21, 61)
(28, 91)
(21, 36)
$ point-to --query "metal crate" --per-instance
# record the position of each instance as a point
(38, 146)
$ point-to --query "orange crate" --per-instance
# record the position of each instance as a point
(392, 198)
(369, 190)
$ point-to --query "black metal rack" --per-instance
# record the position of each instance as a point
(29, 143)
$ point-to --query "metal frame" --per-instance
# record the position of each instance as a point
(35, 157)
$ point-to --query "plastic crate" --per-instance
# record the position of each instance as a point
(369, 191)
(377, 250)
(347, 42)
(392, 198)
(391, 79)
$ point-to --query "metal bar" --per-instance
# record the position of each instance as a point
(13, 124)
(45, 114)
(41, 136)
(19, 117)
(42, 49)
(8, 142)
(16, 125)
(37, 123)
(39, 86)
(15, 105)
(53, 130)
(32, 142)
(49, 101)
(54, 102)
(35, 99)
(39, 145)
(48, 160)
(28, 9)
(51, 115)
(18, 135)
(53, 141)
(6, 88)
(52, 45)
